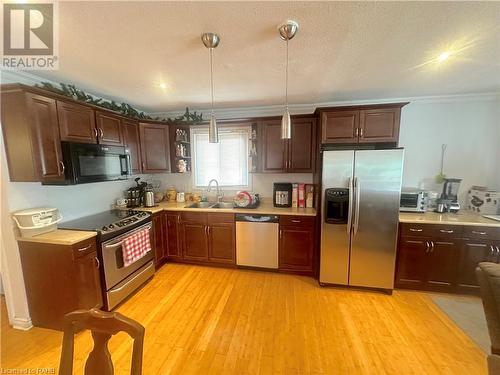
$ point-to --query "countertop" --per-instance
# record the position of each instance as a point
(460, 218)
(60, 237)
(265, 208)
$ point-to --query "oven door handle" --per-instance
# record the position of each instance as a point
(120, 242)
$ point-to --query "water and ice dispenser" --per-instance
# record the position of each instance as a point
(336, 205)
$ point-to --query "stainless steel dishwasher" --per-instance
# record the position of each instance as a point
(257, 240)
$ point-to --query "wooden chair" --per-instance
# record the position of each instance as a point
(103, 325)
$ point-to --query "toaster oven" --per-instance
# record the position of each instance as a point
(413, 201)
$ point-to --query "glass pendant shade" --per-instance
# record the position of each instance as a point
(286, 125)
(213, 130)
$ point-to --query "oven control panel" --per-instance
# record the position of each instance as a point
(131, 217)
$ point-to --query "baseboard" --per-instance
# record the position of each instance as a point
(22, 323)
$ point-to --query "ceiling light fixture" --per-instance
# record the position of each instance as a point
(287, 31)
(211, 41)
(443, 56)
(163, 86)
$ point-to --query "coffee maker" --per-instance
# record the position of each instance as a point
(135, 195)
(448, 202)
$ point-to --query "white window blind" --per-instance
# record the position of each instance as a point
(226, 161)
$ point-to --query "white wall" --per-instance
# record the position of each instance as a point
(470, 128)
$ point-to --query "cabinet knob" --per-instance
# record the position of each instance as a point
(446, 231)
(84, 248)
(97, 263)
(415, 230)
(62, 168)
(478, 232)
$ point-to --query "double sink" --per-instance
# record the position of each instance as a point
(211, 205)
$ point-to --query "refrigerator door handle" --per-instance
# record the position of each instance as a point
(356, 214)
(351, 200)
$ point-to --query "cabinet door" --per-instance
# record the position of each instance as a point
(158, 240)
(45, 130)
(473, 252)
(442, 265)
(88, 281)
(412, 262)
(76, 123)
(155, 148)
(379, 125)
(273, 158)
(339, 127)
(173, 247)
(109, 127)
(296, 249)
(194, 240)
(131, 140)
(222, 244)
(301, 148)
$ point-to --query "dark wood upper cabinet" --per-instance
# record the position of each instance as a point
(221, 238)
(31, 136)
(131, 140)
(379, 125)
(155, 147)
(76, 122)
(46, 131)
(339, 127)
(302, 146)
(273, 157)
(109, 128)
(296, 155)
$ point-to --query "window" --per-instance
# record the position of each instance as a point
(226, 161)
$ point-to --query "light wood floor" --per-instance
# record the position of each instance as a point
(202, 320)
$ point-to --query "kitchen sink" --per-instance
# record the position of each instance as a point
(211, 205)
(223, 205)
(201, 205)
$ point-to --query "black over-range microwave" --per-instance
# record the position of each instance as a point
(85, 162)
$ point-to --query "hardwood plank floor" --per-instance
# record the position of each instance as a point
(202, 320)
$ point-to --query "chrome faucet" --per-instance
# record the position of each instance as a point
(220, 194)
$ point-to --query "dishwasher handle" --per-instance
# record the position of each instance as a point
(257, 218)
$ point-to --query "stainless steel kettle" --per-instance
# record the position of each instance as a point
(149, 199)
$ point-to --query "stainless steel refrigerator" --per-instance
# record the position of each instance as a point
(360, 197)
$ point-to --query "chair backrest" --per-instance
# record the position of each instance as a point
(488, 275)
(103, 325)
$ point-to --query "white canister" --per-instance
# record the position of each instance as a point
(180, 197)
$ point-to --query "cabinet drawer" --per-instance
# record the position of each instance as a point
(490, 233)
(215, 217)
(448, 231)
(420, 230)
(301, 221)
(84, 247)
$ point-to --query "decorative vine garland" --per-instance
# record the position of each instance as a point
(125, 109)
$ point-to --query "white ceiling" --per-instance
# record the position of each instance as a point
(343, 51)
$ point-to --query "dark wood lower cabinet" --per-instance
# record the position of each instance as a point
(296, 244)
(221, 238)
(173, 244)
(195, 242)
(441, 258)
(473, 253)
(412, 262)
(60, 279)
(442, 265)
(157, 240)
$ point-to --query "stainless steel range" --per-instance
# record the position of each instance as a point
(112, 227)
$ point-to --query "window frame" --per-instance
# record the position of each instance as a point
(222, 129)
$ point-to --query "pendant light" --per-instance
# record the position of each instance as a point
(287, 32)
(211, 41)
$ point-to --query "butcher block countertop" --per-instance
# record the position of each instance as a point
(265, 208)
(460, 218)
(60, 237)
